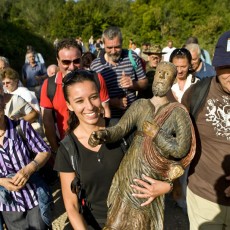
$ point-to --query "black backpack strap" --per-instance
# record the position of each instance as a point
(199, 94)
(51, 87)
(72, 149)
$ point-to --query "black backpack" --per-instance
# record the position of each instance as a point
(51, 87)
(199, 94)
(71, 148)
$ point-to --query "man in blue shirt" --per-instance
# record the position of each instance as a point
(33, 74)
(201, 68)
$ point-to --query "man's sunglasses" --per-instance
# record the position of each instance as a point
(68, 62)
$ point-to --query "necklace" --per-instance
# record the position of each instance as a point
(99, 158)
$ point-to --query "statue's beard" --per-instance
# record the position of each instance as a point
(159, 90)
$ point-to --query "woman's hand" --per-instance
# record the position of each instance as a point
(150, 188)
(98, 137)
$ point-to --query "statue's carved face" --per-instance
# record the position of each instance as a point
(163, 79)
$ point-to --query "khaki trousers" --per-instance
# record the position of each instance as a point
(206, 215)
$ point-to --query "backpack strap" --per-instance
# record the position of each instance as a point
(134, 64)
(199, 94)
(72, 150)
(51, 87)
(203, 54)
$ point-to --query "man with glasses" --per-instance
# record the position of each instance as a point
(122, 71)
(54, 110)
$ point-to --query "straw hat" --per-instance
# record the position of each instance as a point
(155, 49)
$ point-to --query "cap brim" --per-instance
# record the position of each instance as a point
(147, 52)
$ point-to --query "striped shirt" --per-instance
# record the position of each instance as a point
(112, 75)
(14, 156)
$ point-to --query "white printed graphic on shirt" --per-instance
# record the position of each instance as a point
(228, 45)
(219, 115)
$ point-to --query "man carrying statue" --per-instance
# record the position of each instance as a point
(163, 145)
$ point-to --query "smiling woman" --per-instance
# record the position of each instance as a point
(85, 116)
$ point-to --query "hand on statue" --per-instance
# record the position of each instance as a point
(98, 137)
(149, 188)
(227, 190)
(151, 129)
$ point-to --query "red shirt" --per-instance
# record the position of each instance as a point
(59, 103)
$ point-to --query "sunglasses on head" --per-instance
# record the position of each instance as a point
(180, 52)
(68, 62)
(70, 76)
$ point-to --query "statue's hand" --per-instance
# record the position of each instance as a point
(150, 129)
(98, 137)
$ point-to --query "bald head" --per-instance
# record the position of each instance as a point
(52, 70)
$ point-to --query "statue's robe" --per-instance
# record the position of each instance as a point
(174, 145)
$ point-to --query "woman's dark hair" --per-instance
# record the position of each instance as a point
(183, 53)
(76, 76)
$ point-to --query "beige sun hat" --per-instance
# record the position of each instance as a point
(155, 49)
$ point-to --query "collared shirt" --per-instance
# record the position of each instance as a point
(205, 71)
(14, 155)
(112, 75)
(30, 72)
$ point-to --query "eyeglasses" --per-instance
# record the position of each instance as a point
(6, 82)
(68, 62)
(155, 58)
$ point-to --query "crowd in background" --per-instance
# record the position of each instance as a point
(48, 103)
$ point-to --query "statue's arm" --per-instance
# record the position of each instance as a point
(127, 122)
(174, 138)
(121, 129)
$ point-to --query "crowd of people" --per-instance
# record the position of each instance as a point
(94, 111)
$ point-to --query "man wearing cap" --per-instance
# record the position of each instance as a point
(154, 54)
(208, 101)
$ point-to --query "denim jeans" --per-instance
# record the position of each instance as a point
(44, 193)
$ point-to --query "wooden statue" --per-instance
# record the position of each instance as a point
(164, 144)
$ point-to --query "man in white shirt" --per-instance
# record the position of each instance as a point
(168, 50)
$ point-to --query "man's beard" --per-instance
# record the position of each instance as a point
(159, 91)
(114, 57)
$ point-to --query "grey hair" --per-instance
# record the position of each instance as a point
(111, 33)
(5, 60)
(194, 47)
